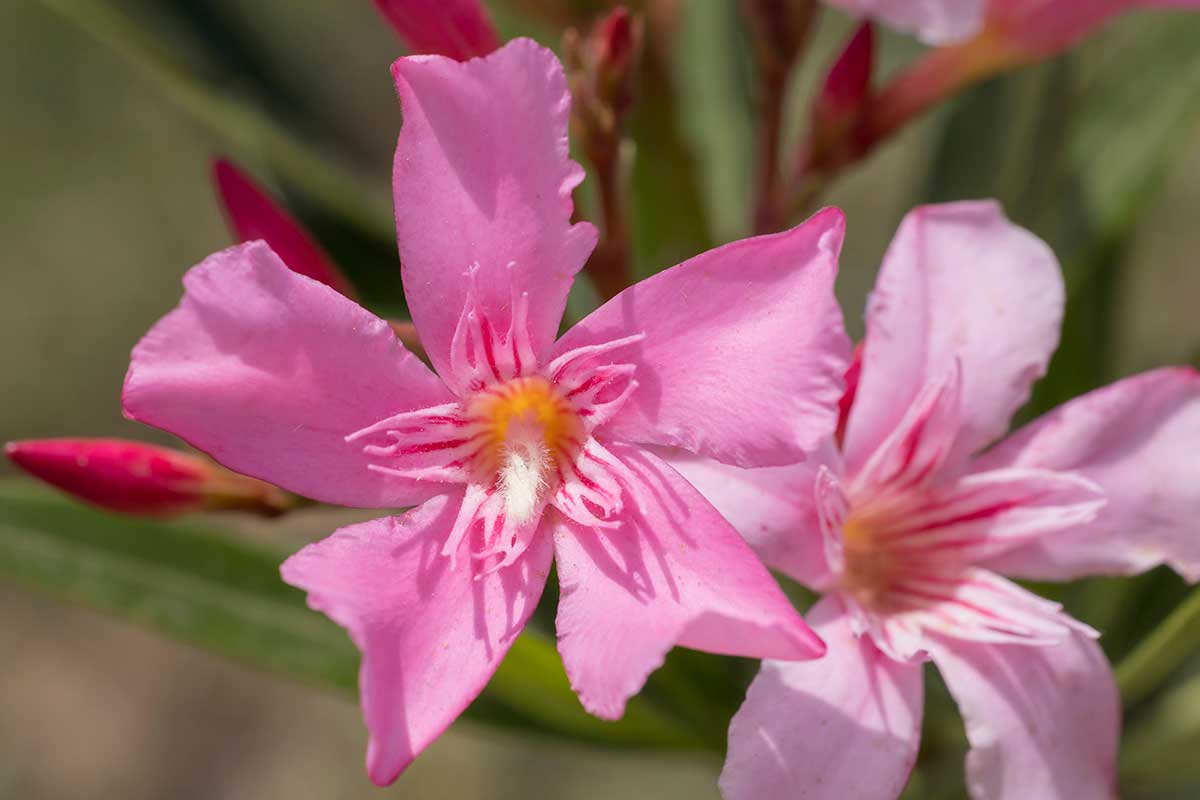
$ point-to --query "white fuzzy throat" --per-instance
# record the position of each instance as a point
(525, 465)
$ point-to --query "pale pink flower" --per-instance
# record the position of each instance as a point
(908, 525)
(520, 449)
(1041, 27)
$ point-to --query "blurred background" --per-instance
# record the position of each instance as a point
(107, 201)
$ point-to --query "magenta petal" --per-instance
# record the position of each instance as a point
(1042, 721)
(959, 282)
(268, 371)
(846, 726)
(744, 351)
(459, 29)
(931, 21)
(254, 215)
(773, 508)
(1138, 440)
(431, 634)
(674, 572)
(483, 184)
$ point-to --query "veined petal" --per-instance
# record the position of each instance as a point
(744, 348)
(916, 449)
(1138, 440)
(773, 508)
(934, 22)
(268, 371)
(1042, 721)
(431, 633)
(987, 513)
(674, 573)
(845, 726)
(483, 185)
(959, 282)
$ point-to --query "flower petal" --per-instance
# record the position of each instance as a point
(932, 21)
(674, 572)
(744, 351)
(1042, 721)
(959, 282)
(773, 508)
(848, 725)
(1137, 439)
(268, 371)
(431, 634)
(483, 181)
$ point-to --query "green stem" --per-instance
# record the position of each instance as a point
(240, 124)
(1160, 653)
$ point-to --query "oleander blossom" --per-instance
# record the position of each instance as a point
(1038, 27)
(908, 526)
(516, 449)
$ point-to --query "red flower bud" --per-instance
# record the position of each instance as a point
(459, 29)
(252, 214)
(139, 478)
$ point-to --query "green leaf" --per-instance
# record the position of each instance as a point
(711, 70)
(224, 594)
(239, 124)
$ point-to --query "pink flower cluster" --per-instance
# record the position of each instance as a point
(717, 398)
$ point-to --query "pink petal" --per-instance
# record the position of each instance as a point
(959, 282)
(431, 634)
(846, 726)
(773, 508)
(268, 371)
(931, 21)
(1042, 721)
(744, 351)
(254, 215)
(1043, 28)
(1138, 440)
(674, 573)
(483, 183)
(459, 29)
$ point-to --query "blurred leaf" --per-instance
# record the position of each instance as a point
(1159, 750)
(240, 125)
(224, 594)
(711, 67)
(1152, 662)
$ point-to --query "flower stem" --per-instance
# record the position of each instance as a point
(1160, 653)
(237, 122)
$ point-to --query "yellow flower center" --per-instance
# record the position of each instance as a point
(530, 427)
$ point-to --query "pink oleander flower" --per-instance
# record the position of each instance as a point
(1036, 27)
(521, 449)
(907, 523)
(139, 478)
(459, 29)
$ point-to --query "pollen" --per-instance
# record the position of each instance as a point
(870, 566)
(529, 429)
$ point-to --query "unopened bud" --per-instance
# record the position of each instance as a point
(459, 29)
(137, 478)
(252, 214)
(844, 98)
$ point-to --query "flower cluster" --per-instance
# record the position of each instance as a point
(697, 428)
